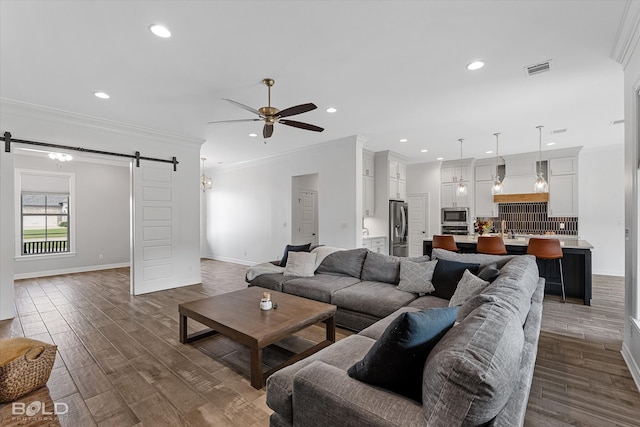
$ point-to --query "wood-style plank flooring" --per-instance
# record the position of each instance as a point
(120, 362)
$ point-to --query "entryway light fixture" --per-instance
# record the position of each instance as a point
(61, 157)
(541, 185)
(496, 188)
(461, 189)
(205, 182)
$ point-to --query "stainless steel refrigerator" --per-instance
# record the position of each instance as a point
(398, 228)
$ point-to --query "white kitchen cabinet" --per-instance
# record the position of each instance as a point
(484, 205)
(448, 174)
(563, 166)
(368, 191)
(367, 164)
(450, 199)
(563, 195)
(397, 180)
(485, 172)
(375, 244)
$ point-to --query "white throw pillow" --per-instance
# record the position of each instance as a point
(469, 286)
(416, 276)
(300, 264)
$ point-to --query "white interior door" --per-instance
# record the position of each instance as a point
(307, 230)
(152, 229)
(418, 207)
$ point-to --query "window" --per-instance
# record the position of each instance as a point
(45, 223)
(45, 214)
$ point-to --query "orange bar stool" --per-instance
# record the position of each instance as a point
(446, 242)
(492, 245)
(547, 249)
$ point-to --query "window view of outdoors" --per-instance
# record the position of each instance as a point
(45, 223)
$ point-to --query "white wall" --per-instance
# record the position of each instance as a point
(37, 123)
(249, 205)
(601, 206)
(101, 223)
(425, 178)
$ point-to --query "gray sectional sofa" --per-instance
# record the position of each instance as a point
(479, 373)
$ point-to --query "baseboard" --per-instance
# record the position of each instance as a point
(83, 269)
(233, 260)
(631, 363)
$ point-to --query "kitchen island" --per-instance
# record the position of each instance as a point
(576, 263)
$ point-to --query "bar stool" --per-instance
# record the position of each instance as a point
(492, 245)
(547, 249)
(446, 242)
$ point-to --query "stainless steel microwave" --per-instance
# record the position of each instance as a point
(455, 216)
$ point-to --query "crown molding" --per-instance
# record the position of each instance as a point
(39, 112)
(628, 35)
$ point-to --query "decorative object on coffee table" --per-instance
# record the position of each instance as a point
(25, 365)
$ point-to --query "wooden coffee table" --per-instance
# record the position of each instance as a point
(237, 315)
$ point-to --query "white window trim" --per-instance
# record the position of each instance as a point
(18, 202)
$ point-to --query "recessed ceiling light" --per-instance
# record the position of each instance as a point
(423, 151)
(101, 95)
(475, 65)
(439, 158)
(488, 152)
(331, 110)
(253, 135)
(404, 140)
(551, 143)
(160, 31)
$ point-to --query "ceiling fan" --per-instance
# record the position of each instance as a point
(271, 115)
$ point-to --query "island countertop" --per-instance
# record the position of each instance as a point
(569, 242)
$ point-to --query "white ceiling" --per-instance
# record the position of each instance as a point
(394, 69)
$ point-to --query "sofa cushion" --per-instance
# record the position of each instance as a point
(319, 287)
(469, 375)
(482, 259)
(300, 264)
(416, 276)
(385, 268)
(374, 298)
(446, 276)
(396, 360)
(470, 285)
(271, 281)
(428, 301)
(375, 331)
(293, 248)
(344, 263)
(342, 354)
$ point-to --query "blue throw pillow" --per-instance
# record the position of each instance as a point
(292, 248)
(447, 274)
(396, 360)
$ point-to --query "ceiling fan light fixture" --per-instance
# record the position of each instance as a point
(475, 65)
(160, 31)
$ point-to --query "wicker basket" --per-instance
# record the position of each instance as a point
(28, 371)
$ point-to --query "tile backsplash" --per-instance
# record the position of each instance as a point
(524, 218)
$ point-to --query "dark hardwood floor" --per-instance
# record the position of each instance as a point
(120, 362)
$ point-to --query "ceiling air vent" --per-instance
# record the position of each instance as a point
(538, 68)
(557, 131)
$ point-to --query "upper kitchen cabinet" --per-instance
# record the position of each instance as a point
(563, 184)
(368, 183)
(450, 173)
(485, 171)
(392, 168)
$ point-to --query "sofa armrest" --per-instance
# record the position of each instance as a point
(326, 395)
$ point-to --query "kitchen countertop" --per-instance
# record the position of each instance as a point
(565, 241)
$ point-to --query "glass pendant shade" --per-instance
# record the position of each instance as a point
(206, 183)
(540, 186)
(461, 189)
(496, 188)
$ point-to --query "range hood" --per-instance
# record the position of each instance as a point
(521, 198)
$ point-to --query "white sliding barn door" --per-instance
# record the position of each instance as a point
(153, 228)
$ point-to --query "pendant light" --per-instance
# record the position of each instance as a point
(461, 189)
(540, 185)
(205, 182)
(496, 188)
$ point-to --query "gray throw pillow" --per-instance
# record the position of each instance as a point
(416, 277)
(469, 286)
(300, 264)
(344, 263)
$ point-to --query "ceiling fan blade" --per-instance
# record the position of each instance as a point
(298, 109)
(245, 107)
(305, 126)
(238, 120)
(267, 131)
